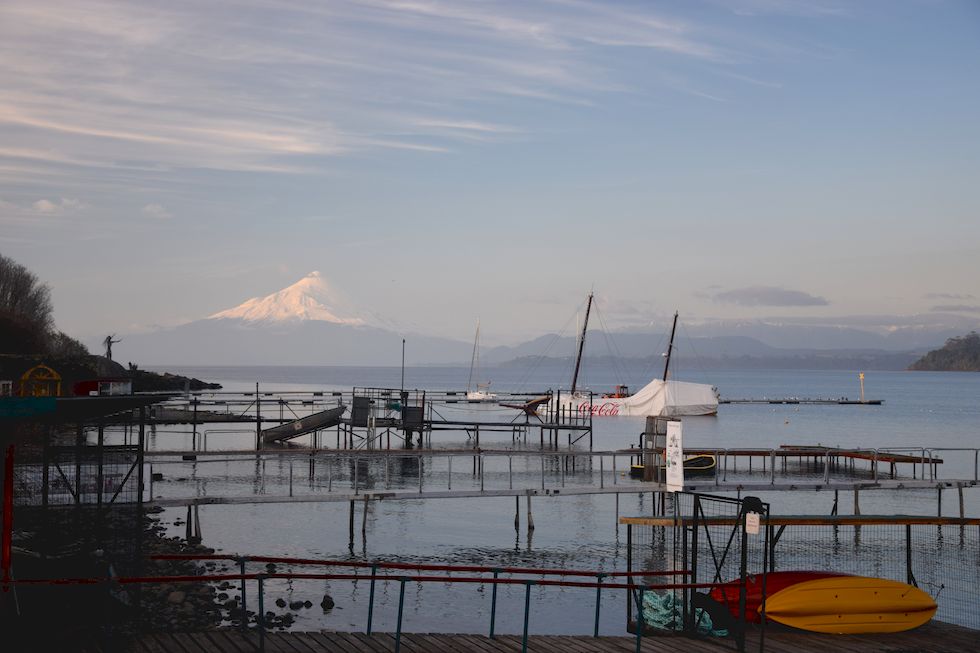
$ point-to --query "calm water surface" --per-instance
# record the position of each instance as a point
(933, 410)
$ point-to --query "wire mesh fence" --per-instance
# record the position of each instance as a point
(79, 475)
(941, 558)
(716, 541)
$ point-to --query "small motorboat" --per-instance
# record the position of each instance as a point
(700, 465)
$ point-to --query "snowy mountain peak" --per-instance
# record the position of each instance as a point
(309, 298)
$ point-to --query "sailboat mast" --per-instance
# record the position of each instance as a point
(670, 346)
(475, 358)
(581, 343)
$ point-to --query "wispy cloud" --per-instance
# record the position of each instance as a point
(156, 211)
(768, 296)
(281, 87)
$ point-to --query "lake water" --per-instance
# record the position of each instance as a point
(932, 410)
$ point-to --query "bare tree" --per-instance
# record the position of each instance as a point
(64, 346)
(25, 309)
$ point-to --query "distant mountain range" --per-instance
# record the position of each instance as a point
(305, 324)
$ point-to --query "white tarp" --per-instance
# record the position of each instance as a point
(656, 399)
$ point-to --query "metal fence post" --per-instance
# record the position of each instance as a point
(493, 603)
(527, 611)
(598, 602)
(241, 566)
(374, 571)
(401, 606)
(261, 614)
(639, 619)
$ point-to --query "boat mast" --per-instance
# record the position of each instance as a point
(581, 343)
(474, 360)
(670, 346)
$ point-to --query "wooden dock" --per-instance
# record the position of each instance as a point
(935, 637)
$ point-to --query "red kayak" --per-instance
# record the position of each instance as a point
(727, 594)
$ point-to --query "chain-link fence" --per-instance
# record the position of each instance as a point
(939, 555)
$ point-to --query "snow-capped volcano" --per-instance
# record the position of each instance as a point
(308, 299)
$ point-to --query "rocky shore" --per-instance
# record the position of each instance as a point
(63, 543)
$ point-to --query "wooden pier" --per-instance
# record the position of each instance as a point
(934, 637)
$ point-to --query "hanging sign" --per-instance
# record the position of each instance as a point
(674, 457)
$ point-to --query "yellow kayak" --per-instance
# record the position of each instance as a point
(851, 604)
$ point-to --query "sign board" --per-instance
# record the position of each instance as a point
(674, 457)
(752, 523)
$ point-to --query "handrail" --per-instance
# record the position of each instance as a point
(636, 589)
(414, 566)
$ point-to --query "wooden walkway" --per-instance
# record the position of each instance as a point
(934, 637)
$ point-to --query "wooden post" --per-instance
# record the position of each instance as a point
(959, 489)
(258, 418)
(351, 524)
(517, 514)
(79, 441)
(100, 477)
(364, 521)
(857, 502)
(530, 517)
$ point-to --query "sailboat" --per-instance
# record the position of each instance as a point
(659, 398)
(482, 392)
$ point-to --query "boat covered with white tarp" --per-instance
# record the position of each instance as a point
(656, 399)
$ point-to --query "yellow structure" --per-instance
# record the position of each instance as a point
(40, 381)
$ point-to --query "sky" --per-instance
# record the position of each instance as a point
(442, 161)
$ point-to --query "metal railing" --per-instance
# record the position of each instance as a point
(399, 575)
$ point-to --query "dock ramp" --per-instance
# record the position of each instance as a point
(322, 420)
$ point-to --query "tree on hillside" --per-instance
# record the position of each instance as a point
(25, 310)
(26, 322)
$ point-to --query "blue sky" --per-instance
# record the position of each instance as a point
(441, 161)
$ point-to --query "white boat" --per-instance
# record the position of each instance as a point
(482, 392)
(658, 398)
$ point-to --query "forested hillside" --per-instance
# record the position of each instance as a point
(957, 355)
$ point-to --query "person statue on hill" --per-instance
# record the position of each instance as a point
(109, 342)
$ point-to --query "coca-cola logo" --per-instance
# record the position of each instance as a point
(607, 409)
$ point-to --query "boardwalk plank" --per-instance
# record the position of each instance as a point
(285, 642)
(498, 644)
(168, 643)
(468, 645)
(302, 644)
(189, 642)
(149, 645)
(374, 643)
(932, 638)
(336, 642)
(222, 641)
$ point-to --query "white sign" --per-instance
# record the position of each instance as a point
(675, 457)
(752, 523)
